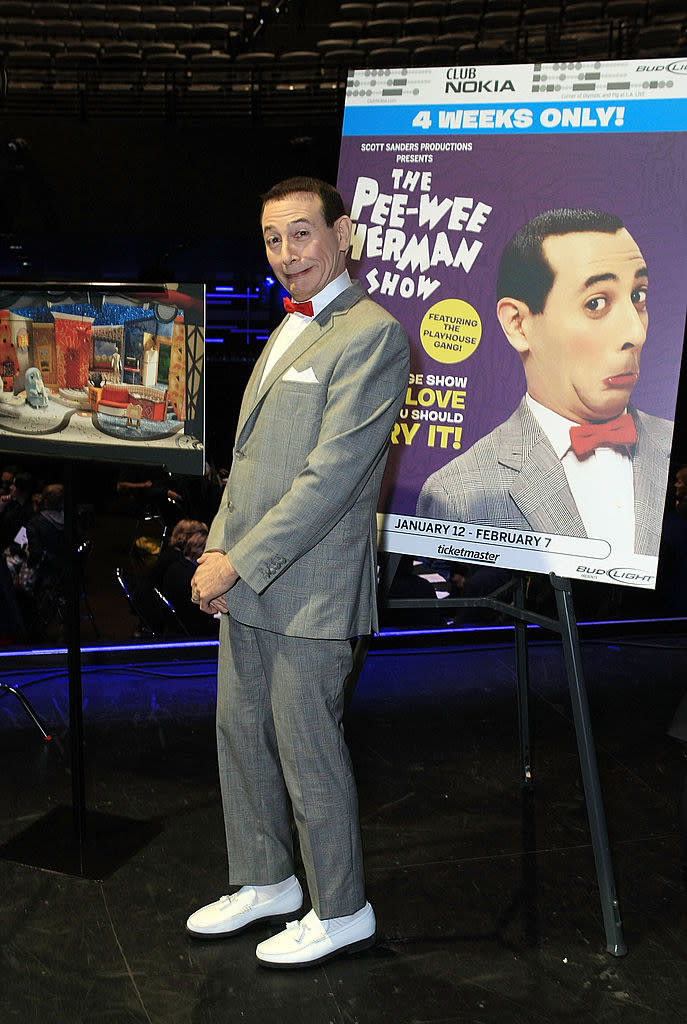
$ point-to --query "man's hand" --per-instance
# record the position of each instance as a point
(214, 576)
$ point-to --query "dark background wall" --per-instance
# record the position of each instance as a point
(119, 197)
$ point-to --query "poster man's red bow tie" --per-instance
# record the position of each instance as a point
(298, 307)
(588, 436)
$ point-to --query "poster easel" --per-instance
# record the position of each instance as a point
(71, 839)
(104, 363)
(565, 626)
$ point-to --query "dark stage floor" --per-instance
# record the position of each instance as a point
(470, 929)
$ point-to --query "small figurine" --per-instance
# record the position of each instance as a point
(36, 395)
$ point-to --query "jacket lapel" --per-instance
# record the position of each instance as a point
(540, 488)
(251, 392)
(314, 332)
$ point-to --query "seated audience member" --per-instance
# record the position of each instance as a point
(41, 572)
(176, 587)
(671, 581)
(17, 511)
(149, 493)
(6, 478)
(11, 620)
(681, 492)
(45, 536)
(174, 551)
(151, 614)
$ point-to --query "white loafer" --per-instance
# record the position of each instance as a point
(233, 914)
(311, 941)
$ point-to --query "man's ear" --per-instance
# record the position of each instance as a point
(513, 315)
(343, 227)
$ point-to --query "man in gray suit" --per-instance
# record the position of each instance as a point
(291, 563)
(575, 458)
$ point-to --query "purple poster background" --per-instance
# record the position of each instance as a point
(639, 177)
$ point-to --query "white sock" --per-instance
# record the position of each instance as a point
(277, 889)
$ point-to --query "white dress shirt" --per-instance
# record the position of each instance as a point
(297, 322)
(601, 483)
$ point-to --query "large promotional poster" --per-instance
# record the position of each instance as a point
(528, 226)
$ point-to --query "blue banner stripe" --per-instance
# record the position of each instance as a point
(664, 115)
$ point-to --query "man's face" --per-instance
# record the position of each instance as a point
(681, 484)
(304, 253)
(582, 353)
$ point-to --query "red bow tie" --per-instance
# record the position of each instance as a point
(298, 307)
(588, 436)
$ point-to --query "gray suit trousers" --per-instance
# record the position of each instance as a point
(281, 748)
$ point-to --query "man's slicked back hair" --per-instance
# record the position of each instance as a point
(332, 203)
(524, 272)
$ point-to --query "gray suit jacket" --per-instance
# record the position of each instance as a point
(513, 478)
(297, 518)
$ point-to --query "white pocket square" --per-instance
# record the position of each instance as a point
(301, 376)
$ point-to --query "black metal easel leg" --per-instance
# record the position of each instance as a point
(529, 833)
(615, 942)
(73, 632)
(523, 676)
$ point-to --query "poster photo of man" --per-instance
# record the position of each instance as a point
(527, 225)
(575, 458)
